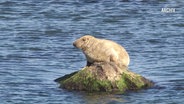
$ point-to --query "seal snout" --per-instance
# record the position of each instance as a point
(74, 44)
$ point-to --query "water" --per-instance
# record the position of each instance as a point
(36, 48)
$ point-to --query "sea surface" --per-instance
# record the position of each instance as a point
(36, 39)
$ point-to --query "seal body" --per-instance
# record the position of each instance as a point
(101, 50)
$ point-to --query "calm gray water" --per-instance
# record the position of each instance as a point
(36, 47)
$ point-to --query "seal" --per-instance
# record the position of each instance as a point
(102, 50)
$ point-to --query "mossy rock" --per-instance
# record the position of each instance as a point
(103, 77)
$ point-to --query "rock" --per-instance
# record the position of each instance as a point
(104, 77)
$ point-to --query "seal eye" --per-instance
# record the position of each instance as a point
(84, 39)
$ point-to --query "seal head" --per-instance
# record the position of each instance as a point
(83, 42)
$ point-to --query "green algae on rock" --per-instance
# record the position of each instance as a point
(103, 77)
